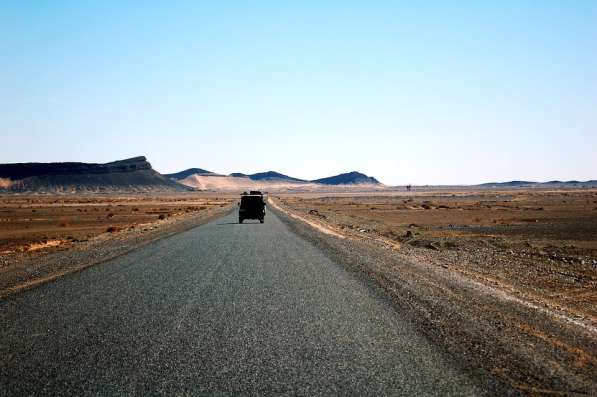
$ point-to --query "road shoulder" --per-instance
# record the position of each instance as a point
(517, 346)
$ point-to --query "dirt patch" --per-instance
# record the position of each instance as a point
(45, 244)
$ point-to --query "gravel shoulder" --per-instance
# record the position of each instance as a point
(519, 342)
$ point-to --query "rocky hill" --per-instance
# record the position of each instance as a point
(186, 173)
(130, 175)
(270, 176)
(349, 178)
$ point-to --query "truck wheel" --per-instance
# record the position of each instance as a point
(240, 220)
(261, 220)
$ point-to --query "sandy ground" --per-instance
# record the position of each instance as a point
(45, 236)
(505, 274)
(238, 184)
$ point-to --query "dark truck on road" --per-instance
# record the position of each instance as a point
(252, 206)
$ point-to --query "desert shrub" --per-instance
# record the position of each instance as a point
(111, 229)
(162, 216)
(110, 215)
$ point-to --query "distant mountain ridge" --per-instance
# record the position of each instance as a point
(349, 178)
(130, 175)
(535, 184)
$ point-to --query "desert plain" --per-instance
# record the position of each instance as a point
(505, 279)
(542, 242)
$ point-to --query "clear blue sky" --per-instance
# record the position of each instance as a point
(445, 92)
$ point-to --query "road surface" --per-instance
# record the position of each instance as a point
(223, 308)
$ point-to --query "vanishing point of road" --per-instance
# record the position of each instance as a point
(222, 309)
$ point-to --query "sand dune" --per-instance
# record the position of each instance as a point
(5, 183)
(233, 183)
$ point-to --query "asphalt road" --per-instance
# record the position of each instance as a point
(220, 309)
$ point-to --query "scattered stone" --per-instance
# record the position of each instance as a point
(450, 245)
(316, 213)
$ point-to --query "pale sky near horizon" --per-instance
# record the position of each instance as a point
(440, 93)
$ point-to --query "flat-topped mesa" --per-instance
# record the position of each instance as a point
(18, 171)
(130, 175)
